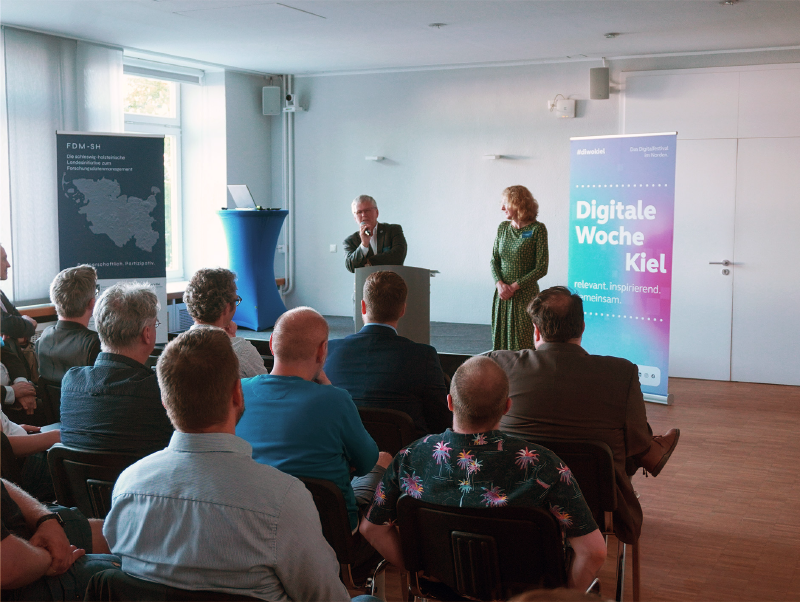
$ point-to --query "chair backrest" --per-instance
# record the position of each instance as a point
(333, 515)
(592, 465)
(392, 430)
(482, 553)
(11, 469)
(53, 391)
(85, 479)
(115, 585)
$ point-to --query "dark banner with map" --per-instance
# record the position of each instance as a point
(111, 204)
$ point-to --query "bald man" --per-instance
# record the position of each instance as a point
(474, 465)
(302, 425)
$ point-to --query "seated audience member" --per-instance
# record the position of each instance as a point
(15, 328)
(48, 552)
(474, 465)
(202, 514)
(560, 391)
(115, 405)
(69, 342)
(211, 300)
(29, 447)
(21, 391)
(300, 424)
(383, 370)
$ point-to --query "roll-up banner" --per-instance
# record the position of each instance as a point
(622, 197)
(111, 209)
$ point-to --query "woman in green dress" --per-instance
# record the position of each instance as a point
(519, 260)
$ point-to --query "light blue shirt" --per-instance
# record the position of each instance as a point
(203, 515)
(381, 324)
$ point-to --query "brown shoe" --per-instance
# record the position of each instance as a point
(660, 451)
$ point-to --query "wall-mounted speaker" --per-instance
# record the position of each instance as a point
(598, 83)
(271, 100)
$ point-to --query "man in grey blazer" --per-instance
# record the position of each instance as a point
(374, 243)
(560, 391)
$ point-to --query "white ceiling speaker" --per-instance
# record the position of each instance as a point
(598, 83)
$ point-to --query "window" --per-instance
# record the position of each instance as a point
(152, 106)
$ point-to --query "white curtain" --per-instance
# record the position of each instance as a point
(52, 84)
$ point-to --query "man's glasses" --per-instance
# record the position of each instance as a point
(238, 300)
(157, 324)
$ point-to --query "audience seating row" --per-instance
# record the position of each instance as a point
(489, 553)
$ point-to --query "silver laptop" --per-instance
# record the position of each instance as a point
(241, 196)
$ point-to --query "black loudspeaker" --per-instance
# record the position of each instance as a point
(598, 83)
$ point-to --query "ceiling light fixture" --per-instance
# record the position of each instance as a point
(437, 25)
(611, 35)
(729, 2)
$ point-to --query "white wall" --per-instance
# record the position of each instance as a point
(434, 128)
(248, 135)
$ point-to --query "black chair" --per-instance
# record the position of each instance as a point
(11, 469)
(85, 479)
(480, 553)
(115, 585)
(391, 429)
(592, 465)
(335, 521)
(51, 390)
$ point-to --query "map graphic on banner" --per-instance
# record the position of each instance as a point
(121, 217)
(111, 212)
(622, 192)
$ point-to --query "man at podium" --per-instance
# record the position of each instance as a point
(374, 243)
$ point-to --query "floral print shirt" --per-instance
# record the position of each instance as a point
(482, 470)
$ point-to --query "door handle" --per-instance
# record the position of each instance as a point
(723, 262)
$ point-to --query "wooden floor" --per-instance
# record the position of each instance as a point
(722, 520)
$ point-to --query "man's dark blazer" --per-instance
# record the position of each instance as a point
(14, 326)
(390, 242)
(383, 370)
(560, 391)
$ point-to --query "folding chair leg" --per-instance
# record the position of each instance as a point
(405, 587)
(635, 557)
(620, 570)
(378, 582)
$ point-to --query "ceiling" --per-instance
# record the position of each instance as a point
(302, 36)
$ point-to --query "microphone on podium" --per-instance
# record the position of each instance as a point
(367, 232)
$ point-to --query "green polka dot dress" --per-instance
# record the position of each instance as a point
(518, 256)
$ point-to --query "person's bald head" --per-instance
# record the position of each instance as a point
(298, 334)
(479, 391)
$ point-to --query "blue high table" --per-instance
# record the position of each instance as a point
(252, 236)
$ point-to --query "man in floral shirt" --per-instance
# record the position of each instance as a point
(475, 465)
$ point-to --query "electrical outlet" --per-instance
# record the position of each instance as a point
(333, 248)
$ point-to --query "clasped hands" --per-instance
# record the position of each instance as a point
(25, 394)
(506, 291)
(51, 537)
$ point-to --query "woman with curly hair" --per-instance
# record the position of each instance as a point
(519, 259)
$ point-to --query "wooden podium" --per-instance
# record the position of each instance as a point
(416, 323)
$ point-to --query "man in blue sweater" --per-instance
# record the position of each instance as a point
(299, 423)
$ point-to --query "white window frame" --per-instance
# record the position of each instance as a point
(168, 126)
